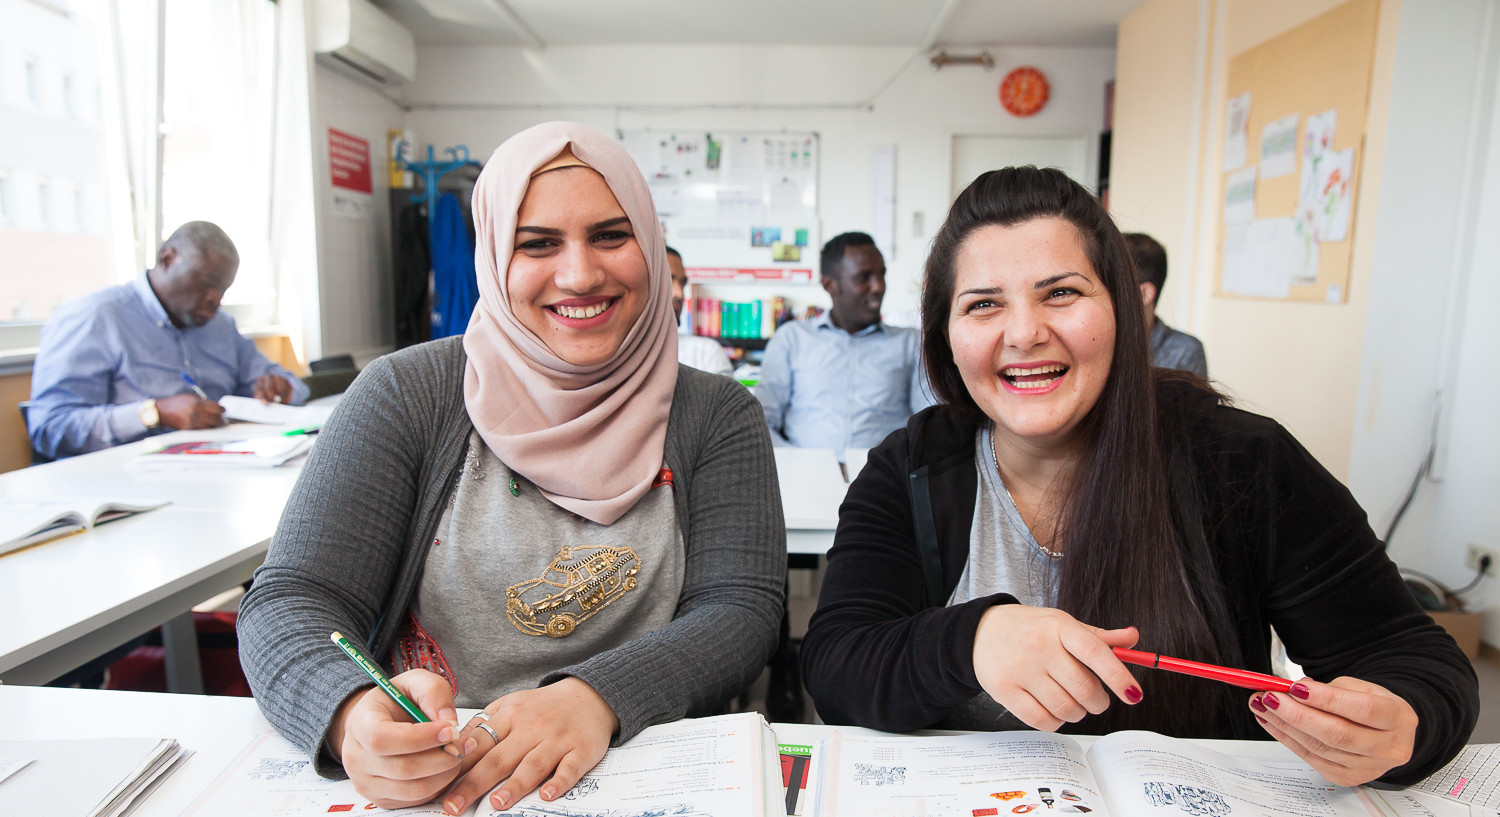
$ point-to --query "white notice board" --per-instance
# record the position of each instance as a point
(739, 206)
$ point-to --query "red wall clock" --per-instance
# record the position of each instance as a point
(1024, 91)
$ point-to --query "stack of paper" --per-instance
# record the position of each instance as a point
(83, 778)
(250, 410)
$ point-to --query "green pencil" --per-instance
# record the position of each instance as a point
(373, 670)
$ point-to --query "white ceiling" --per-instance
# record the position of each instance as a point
(915, 23)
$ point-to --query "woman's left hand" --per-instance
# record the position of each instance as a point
(1350, 731)
(554, 733)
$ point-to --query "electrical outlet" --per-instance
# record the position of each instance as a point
(1477, 552)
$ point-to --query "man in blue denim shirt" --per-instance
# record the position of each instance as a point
(843, 379)
(111, 365)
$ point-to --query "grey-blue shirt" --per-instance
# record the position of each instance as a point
(1171, 349)
(822, 387)
(104, 353)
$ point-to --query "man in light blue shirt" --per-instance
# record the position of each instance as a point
(111, 365)
(844, 379)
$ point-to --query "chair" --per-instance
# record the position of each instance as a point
(325, 383)
(37, 458)
(331, 375)
(332, 364)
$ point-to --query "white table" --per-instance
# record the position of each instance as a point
(71, 600)
(812, 488)
(217, 728)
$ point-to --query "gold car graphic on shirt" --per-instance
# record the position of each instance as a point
(580, 582)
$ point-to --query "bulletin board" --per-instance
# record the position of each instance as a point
(1293, 150)
(739, 206)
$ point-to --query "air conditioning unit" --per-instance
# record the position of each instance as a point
(356, 36)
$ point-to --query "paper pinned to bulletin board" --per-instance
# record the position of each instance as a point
(739, 206)
(1294, 140)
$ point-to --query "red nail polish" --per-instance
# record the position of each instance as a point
(1271, 701)
(1256, 704)
(1133, 694)
(1300, 690)
(1262, 720)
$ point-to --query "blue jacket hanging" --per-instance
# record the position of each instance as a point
(455, 288)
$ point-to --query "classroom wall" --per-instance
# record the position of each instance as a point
(1356, 382)
(855, 98)
(1435, 281)
(1159, 86)
(355, 277)
(1272, 355)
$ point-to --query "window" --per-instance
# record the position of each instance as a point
(217, 110)
(34, 81)
(53, 250)
(45, 212)
(69, 96)
(84, 203)
(6, 219)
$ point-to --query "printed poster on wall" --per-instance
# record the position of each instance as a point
(349, 171)
(739, 206)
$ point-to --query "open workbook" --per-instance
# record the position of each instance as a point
(25, 522)
(723, 766)
(726, 766)
(1127, 774)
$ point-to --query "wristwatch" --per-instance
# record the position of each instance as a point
(150, 417)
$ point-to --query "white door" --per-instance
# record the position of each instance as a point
(974, 154)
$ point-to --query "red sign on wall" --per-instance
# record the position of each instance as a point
(349, 161)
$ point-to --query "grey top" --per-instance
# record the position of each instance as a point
(353, 541)
(1003, 558)
(1171, 349)
(516, 586)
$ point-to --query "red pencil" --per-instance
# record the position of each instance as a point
(1237, 677)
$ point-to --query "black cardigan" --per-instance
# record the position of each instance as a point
(1292, 548)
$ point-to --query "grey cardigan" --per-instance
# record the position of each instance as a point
(349, 552)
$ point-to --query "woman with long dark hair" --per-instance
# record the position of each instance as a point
(1067, 498)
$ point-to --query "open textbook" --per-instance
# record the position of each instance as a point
(727, 766)
(25, 522)
(723, 766)
(1126, 774)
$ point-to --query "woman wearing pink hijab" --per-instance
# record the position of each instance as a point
(548, 518)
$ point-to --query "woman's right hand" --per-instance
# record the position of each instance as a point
(1046, 667)
(392, 761)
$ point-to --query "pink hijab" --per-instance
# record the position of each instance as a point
(591, 437)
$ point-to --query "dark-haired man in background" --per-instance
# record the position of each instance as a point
(1170, 349)
(111, 364)
(701, 353)
(844, 379)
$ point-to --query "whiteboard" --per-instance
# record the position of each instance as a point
(740, 206)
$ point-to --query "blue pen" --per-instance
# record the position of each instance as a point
(187, 378)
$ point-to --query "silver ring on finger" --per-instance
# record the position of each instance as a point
(481, 715)
(489, 731)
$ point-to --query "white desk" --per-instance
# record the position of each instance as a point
(216, 729)
(68, 601)
(812, 488)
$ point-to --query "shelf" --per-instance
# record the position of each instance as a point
(752, 344)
